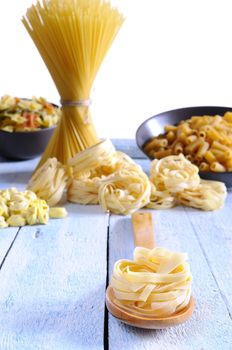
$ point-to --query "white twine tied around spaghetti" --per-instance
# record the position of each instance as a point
(80, 103)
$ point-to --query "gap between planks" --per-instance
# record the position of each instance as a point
(106, 315)
(9, 249)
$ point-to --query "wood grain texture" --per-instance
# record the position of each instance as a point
(52, 291)
(12, 174)
(143, 230)
(210, 326)
(53, 286)
(128, 146)
(214, 233)
(16, 174)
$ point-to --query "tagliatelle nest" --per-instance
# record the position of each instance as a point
(125, 191)
(160, 199)
(100, 155)
(102, 175)
(209, 195)
(49, 181)
(112, 179)
(174, 174)
(156, 282)
(175, 180)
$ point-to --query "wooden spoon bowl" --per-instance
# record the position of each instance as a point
(147, 322)
(144, 237)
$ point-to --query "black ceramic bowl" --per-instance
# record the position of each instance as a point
(24, 145)
(154, 126)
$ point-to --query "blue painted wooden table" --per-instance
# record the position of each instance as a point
(53, 278)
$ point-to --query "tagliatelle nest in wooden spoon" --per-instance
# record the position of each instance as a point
(156, 283)
(49, 181)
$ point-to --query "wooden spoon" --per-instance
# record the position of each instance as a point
(144, 237)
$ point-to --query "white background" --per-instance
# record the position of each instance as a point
(169, 54)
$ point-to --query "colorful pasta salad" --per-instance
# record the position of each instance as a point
(27, 115)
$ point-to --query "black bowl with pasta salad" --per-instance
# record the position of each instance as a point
(202, 134)
(26, 126)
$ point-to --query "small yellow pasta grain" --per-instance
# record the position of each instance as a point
(190, 139)
(202, 149)
(178, 148)
(193, 147)
(162, 153)
(216, 166)
(228, 116)
(170, 128)
(210, 157)
(203, 166)
(170, 136)
(214, 135)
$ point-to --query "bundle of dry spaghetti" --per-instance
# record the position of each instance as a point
(73, 38)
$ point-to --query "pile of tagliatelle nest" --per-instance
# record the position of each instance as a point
(102, 175)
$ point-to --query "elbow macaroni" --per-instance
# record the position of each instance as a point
(206, 139)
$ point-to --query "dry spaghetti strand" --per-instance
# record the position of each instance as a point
(73, 38)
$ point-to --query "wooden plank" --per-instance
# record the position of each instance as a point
(16, 174)
(214, 232)
(210, 327)
(12, 174)
(53, 286)
(128, 146)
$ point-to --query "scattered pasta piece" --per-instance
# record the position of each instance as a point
(156, 283)
(58, 213)
(49, 181)
(25, 208)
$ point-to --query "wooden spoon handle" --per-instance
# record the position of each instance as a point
(143, 230)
